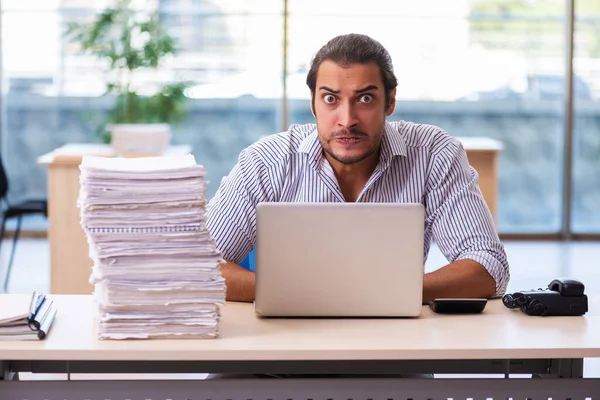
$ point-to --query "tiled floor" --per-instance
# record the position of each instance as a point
(533, 265)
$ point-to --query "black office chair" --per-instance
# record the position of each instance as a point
(26, 207)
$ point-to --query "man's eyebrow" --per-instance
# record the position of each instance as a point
(366, 89)
(329, 89)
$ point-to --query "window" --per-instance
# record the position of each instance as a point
(586, 125)
(493, 68)
(231, 51)
(473, 68)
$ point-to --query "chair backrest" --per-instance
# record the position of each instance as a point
(250, 261)
(3, 180)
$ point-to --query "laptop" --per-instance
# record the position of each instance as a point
(339, 260)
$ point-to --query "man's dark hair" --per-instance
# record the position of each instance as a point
(354, 48)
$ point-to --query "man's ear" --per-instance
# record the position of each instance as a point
(312, 104)
(392, 106)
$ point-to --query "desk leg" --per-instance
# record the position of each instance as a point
(564, 368)
(6, 374)
(567, 368)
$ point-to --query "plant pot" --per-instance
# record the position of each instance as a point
(140, 140)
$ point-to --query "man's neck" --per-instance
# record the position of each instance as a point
(352, 178)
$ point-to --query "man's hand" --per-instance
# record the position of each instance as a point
(239, 281)
(462, 278)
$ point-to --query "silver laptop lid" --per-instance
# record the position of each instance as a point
(339, 259)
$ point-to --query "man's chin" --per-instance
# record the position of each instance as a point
(348, 158)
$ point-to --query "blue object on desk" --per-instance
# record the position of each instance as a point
(250, 261)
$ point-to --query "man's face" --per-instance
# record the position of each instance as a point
(349, 105)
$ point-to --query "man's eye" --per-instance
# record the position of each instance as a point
(366, 98)
(329, 98)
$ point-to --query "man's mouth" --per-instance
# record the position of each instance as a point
(348, 139)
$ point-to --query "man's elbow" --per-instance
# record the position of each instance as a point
(489, 286)
(492, 279)
(483, 280)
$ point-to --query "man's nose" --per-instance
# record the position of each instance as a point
(347, 116)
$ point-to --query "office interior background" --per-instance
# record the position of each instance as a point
(524, 72)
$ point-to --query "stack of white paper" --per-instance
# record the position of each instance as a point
(156, 268)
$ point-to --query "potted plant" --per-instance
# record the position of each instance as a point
(134, 46)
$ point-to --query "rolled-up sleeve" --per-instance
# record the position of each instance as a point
(231, 213)
(458, 216)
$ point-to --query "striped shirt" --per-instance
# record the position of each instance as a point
(417, 164)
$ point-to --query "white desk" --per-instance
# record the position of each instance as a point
(70, 264)
(497, 341)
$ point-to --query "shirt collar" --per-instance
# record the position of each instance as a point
(311, 146)
(392, 144)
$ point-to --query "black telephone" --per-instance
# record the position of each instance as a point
(562, 297)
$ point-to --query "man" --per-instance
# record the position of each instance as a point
(353, 154)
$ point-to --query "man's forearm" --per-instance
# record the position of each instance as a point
(462, 278)
(239, 281)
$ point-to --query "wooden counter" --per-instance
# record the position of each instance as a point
(70, 264)
(483, 156)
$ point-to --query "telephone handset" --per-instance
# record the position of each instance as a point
(563, 297)
(567, 287)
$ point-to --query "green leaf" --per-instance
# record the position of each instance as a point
(131, 41)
